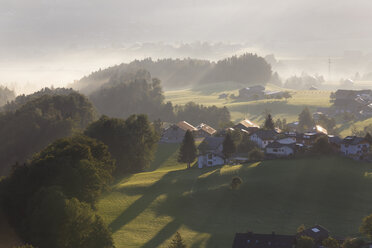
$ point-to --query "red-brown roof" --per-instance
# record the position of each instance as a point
(186, 126)
(206, 128)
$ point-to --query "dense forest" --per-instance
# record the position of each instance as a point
(18, 101)
(125, 95)
(34, 125)
(248, 69)
(6, 95)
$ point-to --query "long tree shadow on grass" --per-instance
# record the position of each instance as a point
(163, 153)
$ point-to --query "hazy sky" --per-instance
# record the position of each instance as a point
(45, 31)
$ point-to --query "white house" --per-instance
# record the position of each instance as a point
(210, 152)
(354, 147)
(263, 137)
(280, 150)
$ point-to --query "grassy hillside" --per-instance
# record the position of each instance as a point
(289, 109)
(146, 209)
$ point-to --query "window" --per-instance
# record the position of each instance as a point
(210, 156)
(210, 162)
(275, 150)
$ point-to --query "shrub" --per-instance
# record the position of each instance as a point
(256, 154)
(236, 182)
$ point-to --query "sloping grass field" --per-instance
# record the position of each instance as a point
(253, 110)
(146, 209)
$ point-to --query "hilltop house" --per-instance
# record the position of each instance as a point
(276, 149)
(246, 125)
(255, 240)
(263, 137)
(255, 92)
(210, 152)
(354, 147)
(203, 130)
(176, 132)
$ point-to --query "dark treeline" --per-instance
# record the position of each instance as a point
(34, 125)
(6, 95)
(121, 97)
(248, 69)
(22, 99)
(49, 200)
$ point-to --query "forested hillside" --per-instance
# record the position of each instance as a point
(6, 95)
(248, 69)
(139, 93)
(34, 125)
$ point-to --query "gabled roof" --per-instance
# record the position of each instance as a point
(320, 129)
(334, 139)
(211, 143)
(206, 128)
(266, 134)
(253, 240)
(247, 123)
(316, 232)
(353, 140)
(186, 126)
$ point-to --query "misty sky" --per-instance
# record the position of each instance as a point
(48, 30)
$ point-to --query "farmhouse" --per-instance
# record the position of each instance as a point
(276, 149)
(263, 137)
(210, 152)
(252, 93)
(255, 240)
(203, 130)
(354, 147)
(176, 132)
(247, 126)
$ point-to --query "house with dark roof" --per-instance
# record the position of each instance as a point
(247, 126)
(263, 137)
(254, 240)
(203, 130)
(276, 149)
(176, 132)
(317, 232)
(210, 152)
(354, 147)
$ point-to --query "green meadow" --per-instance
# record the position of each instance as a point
(146, 209)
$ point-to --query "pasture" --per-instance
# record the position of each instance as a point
(146, 209)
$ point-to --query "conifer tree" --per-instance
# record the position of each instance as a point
(269, 123)
(177, 241)
(187, 152)
(228, 146)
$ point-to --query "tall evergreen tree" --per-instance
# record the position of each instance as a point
(305, 120)
(177, 242)
(269, 123)
(228, 146)
(187, 152)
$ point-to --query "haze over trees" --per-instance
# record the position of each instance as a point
(248, 69)
(6, 95)
(131, 142)
(34, 125)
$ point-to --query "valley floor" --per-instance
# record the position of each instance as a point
(146, 209)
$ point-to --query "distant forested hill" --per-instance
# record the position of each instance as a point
(248, 69)
(32, 126)
(17, 102)
(6, 95)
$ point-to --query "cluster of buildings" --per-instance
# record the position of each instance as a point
(358, 102)
(258, 92)
(273, 240)
(274, 143)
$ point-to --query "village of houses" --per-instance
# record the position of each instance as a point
(276, 143)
